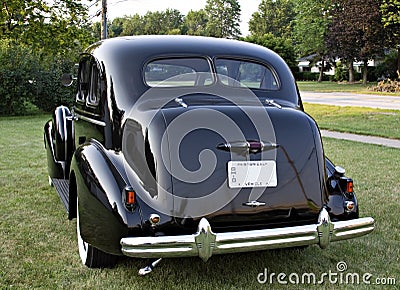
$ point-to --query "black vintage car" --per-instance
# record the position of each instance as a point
(189, 146)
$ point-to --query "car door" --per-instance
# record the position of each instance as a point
(88, 113)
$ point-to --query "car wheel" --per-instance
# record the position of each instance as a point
(91, 256)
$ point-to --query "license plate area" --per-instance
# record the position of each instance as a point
(245, 174)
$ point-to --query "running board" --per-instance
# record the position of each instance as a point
(62, 187)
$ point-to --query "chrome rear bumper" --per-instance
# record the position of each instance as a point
(205, 243)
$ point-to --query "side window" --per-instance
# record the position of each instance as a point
(83, 80)
(95, 86)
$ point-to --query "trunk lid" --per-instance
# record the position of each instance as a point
(185, 158)
(205, 144)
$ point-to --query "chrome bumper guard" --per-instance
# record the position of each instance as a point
(205, 243)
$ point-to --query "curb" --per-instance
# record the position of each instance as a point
(362, 138)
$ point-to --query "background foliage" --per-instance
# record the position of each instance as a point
(16, 71)
(39, 40)
(273, 16)
(28, 79)
(280, 45)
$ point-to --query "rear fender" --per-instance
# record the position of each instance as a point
(338, 196)
(104, 219)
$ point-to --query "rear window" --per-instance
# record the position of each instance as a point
(243, 73)
(178, 72)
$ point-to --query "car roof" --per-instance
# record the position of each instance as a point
(156, 44)
(123, 58)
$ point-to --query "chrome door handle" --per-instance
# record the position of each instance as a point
(73, 117)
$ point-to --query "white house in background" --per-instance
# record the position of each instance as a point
(304, 65)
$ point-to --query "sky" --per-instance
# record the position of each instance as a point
(121, 8)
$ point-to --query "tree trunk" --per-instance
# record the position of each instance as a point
(351, 72)
(321, 72)
(365, 73)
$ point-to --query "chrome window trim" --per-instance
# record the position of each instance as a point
(90, 120)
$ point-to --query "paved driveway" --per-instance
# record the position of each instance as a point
(349, 99)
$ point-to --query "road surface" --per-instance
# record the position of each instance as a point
(349, 99)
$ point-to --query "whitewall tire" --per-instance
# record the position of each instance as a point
(91, 256)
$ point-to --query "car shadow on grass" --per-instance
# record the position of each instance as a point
(241, 270)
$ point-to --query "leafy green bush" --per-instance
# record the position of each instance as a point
(50, 92)
(341, 73)
(16, 83)
(28, 79)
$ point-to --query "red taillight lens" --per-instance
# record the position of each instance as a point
(130, 196)
(346, 185)
(349, 187)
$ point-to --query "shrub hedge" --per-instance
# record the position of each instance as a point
(28, 80)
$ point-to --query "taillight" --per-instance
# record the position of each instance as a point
(349, 187)
(346, 184)
(130, 197)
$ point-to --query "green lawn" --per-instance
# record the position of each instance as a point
(38, 243)
(365, 121)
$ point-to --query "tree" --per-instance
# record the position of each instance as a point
(273, 16)
(39, 41)
(341, 38)
(356, 31)
(282, 46)
(45, 26)
(223, 18)
(133, 25)
(196, 22)
(310, 30)
(390, 10)
(162, 22)
(115, 28)
(169, 21)
(95, 31)
(153, 23)
(173, 21)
